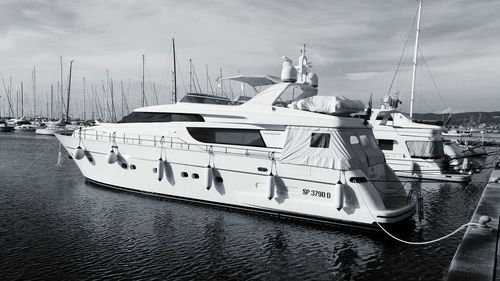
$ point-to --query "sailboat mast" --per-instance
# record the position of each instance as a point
(61, 90)
(121, 86)
(84, 108)
(34, 92)
(22, 100)
(415, 58)
(206, 69)
(113, 111)
(190, 76)
(174, 94)
(143, 94)
(69, 89)
(51, 101)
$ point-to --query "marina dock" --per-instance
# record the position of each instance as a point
(477, 256)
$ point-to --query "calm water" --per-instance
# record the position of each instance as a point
(53, 225)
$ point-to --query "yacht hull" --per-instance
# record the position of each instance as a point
(239, 180)
(52, 131)
(6, 129)
(423, 169)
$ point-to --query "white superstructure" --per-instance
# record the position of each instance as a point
(261, 155)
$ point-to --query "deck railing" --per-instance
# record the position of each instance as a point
(172, 143)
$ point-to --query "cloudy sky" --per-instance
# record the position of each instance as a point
(354, 45)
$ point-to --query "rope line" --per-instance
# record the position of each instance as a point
(402, 54)
(411, 242)
(36, 159)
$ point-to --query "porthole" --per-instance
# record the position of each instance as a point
(132, 167)
(184, 174)
(155, 170)
(195, 176)
(124, 165)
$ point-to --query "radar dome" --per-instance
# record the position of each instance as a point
(288, 72)
(312, 78)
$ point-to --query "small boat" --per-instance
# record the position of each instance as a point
(51, 128)
(4, 128)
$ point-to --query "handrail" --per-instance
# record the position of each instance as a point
(172, 142)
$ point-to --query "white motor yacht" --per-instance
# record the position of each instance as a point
(412, 148)
(265, 155)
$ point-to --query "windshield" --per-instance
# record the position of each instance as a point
(293, 94)
(426, 149)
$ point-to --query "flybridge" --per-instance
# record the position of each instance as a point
(295, 89)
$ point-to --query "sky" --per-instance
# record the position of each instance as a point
(354, 46)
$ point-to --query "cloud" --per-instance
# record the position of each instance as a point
(363, 76)
(354, 45)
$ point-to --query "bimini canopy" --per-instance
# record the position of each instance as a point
(254, 81)
(342, 149)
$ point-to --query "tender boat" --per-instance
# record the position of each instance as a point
(265, 155)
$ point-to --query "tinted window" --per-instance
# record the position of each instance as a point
(386, 144)
(151, 117)
(206, 99)
(320, 140)
(227, 136)
(178, 117)
(354, 140)
(383, 114)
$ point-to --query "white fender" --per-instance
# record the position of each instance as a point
(208, 177)
(111, 157)
(338, 195)
(78, 153)
(270, 186)
(169, 175)
(465, 165)
(161, 169)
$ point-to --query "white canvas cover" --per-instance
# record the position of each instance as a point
(346, 149)
(426, 149)
(329, 105)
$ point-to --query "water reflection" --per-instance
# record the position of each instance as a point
(54, 226)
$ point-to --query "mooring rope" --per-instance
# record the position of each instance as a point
(39, 156)
(418, 243)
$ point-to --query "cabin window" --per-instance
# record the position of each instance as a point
(354, 140)
(156, 117)
(320, 140)
(246, 137)
(206, 99)
(292, 94)
(368, 141)
(383, 114)
(386, 144)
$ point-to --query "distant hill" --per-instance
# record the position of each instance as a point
(489, 118)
